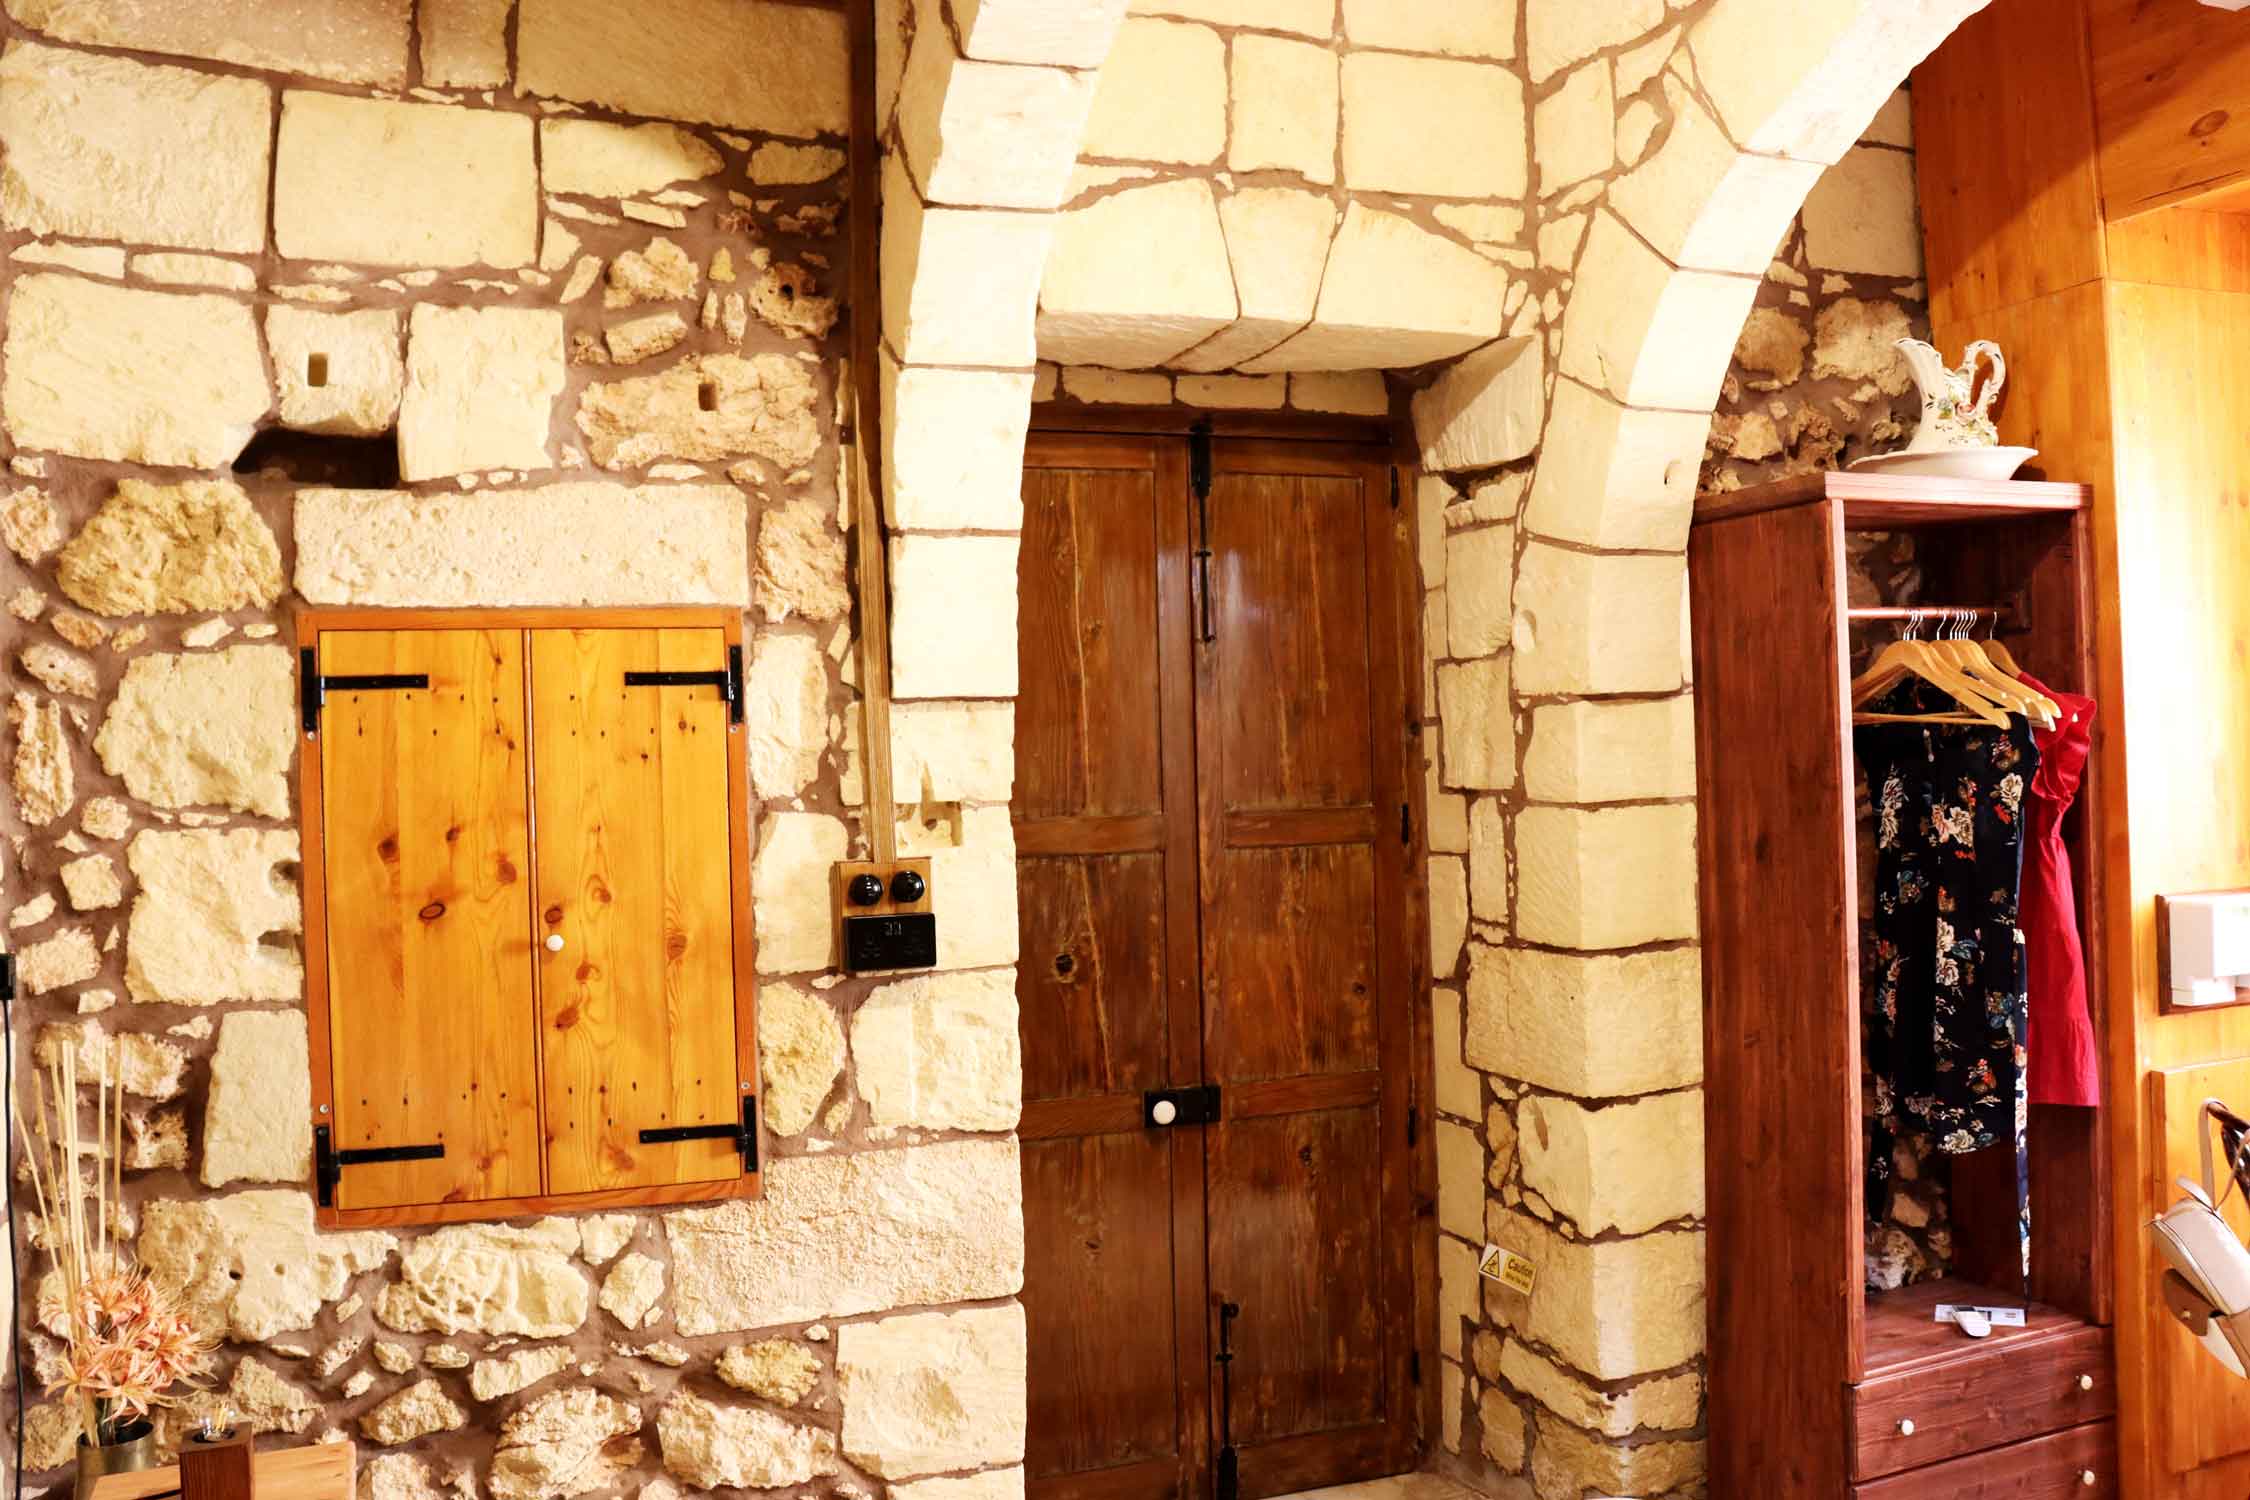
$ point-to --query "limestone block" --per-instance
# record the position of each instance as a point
(600, 160)
(91, 883)
(44, 780)
(1612, 1308)
(79, 355)
(137, 1062)
(255, 1394)
(489, 1278)
(1862, 215)
(637, 339)
(1351, 392)
(779, 164)
(992, 134)
(973, 885)
(1645, 333)
(1598, 624)
(30, 525)
(1562, 34)
(752, 64)
(1611, 752)
(1479, 730)
(800, 563)
(1628, 1167)
(1489, 894)
(1398, 108)
(704, 408)
(954, 752)
(416, 1412)
(954, 440)
(1394, 295)
(1459, 1090)
(1486, 410)
(1457, 1290)
(1234, 392)
(250, 1265)
(1480, 567)
(256, 1122)
(1455, 28)
(103, 147)
(786, 704)
(356, 41)
(566, 1442)
(940, 1052)
(171, 549)
(1708, 206)
(490, 1379)
(1460, 1173)
(774, 1370)
(1594, 1025)
(1077, 34)
(934, 1392)
(1448, 814)
(709, 1446)
(464, 43)
(1626, 479)
(1286, 107)
(1574, 129)
(1858, 340)
(1670, 1402)
(67, 958)
(195, 270)
(1162, 97)
(205, 728)
(836, 1236)
(953, 617)
(1506, 1438)
(1607, 877)
(336, 372)
(1893, 124)
(1094, 385)
(569, 544)
(1277, 244)
(800, 1054)
(789, 891)
(601, 1236)
(1136, 278)
(960, 286)
(481, 384)
(398, 184)
(1569, 1462)
(991, 1484)
(633, 1288)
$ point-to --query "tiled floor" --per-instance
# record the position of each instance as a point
(1397, 1487)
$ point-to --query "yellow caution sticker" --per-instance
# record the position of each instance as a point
(1511, 1270)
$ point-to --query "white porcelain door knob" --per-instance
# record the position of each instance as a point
(2085, 1382)
(554, 942)
(2086, 1478)
(1906, 1427)
(1164, 1112)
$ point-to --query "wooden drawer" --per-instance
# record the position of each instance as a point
(1984, 1398)
(2048, 1468)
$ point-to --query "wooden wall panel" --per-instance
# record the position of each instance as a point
(2204, 1411)
(2172, 100)
(2190, 247)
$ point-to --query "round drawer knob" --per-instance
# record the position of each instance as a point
(2086, 1383)
(554, 942)
(2086, 1478)
(1906, 1427)
(1164, 1112)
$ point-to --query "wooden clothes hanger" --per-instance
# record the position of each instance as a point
(1911, 657)
(2004, 685)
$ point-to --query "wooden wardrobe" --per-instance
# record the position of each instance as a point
(1820, 1389)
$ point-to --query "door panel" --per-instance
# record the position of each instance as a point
(426, 857)
(1295, 991)
(2204, 1411)
(637, 1004)
(1105, 841)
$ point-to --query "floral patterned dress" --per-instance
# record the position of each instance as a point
(1943, 997)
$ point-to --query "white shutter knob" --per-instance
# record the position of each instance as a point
(554, 942)
(2085, 1382)
(1164, 1112)
(1906, 1427)
(2086, 1478)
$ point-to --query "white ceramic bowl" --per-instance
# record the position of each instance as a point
(1950, 463)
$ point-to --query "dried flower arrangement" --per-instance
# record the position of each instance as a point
(129, 1341)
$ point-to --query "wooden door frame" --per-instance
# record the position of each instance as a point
(1403, 600)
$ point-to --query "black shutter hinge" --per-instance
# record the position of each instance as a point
(1413, 1123)
(1414, 1367)
(329, 1163)
(1199, 458)
(728, 682)
(313, 689)
(1394, 486)
(744, 1136)
(1406, 825)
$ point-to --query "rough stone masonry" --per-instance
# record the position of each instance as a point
(475, 303)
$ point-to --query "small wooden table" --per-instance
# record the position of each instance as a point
(316, 1471)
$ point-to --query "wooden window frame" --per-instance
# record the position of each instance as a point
(311, 624)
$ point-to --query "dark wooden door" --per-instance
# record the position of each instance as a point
(1214, 889)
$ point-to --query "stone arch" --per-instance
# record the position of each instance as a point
(1591, 431)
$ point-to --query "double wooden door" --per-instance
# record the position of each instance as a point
(1217, 870)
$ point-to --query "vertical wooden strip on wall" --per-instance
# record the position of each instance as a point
(637, 1007)
(428, 886)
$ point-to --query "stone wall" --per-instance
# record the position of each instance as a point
(468, 302)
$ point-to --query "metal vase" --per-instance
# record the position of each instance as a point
(137, 1450)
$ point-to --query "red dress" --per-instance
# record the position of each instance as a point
(2064, 1065)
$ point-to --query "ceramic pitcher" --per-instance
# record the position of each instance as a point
(1949, 418)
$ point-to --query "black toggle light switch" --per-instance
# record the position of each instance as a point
(866, 890)
(907, 887)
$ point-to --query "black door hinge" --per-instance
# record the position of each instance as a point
(744, 1136)
(1414, 1367)
(728, 682)
(1199, 481)
(1413, 1124)
(1198, 1105)
(313, 689)
(329, 1163)
(1406, 825)
(1394, 486)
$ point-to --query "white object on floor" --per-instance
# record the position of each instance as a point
(1972, 1323)
(1951, 463)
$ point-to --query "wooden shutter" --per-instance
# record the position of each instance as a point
(424, 804)
(635, 874)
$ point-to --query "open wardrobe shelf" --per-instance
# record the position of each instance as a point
(1891, 929)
